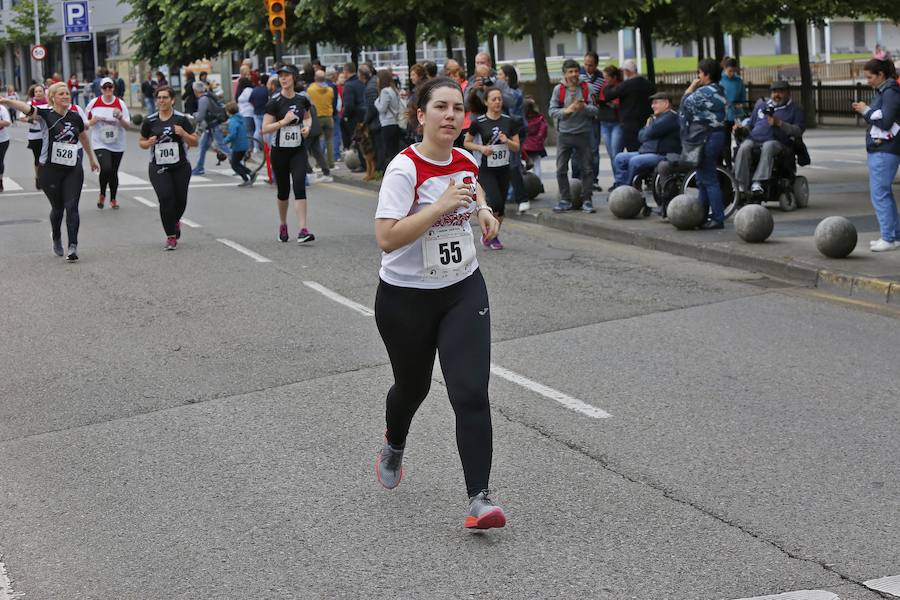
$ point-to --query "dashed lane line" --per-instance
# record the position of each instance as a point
(799, 595)
(888, 585)
(566, 400)
(244, 250)
(145, 202)
(133, 189)
(6, 590)
(190, 223)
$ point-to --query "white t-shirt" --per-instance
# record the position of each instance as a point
(4, 116)
(245, 109)
(446, 253)
(107, 133)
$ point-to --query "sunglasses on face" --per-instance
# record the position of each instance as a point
(108, 85)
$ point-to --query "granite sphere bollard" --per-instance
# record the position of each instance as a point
(625, 202)
(686, 212)
(351, 159)
(533, 185)
(835, 237)
(575, 189)
(754, 223)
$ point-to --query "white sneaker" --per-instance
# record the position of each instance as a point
(325, 179)
(524, 207)
(883, 246)
(756, 188)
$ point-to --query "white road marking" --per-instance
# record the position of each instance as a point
(190, 223)
(799, 595)
(136, 189)
(6, 590)
(888, 585)
(245, 251)
(145, 202)
(200, 178)
(364, 310)
(849, 162)
(225, 172)
(539, 388)
(816, 167)
(126, 179)
(10, 185)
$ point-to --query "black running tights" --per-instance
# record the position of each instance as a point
(454, 321)
(289, 164)
(171, 186)
(62, 185)
(109, 170)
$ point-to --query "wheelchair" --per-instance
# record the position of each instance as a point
(669, 179)
(789, 190)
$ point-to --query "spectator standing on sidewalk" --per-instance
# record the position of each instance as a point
(388, 106)
(574, 110)
(372, 121)
(736, 95)
(322, 97)
(74, 88)
(883, 147)
(508, 75)
(634, 108)
(354, 107)
(608, 114)
(148, 87)
(593, 76)
(533, 146)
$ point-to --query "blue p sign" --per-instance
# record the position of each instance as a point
(75, 17)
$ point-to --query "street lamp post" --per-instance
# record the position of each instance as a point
(37, 42)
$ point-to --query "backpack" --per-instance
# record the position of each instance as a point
(585, 91)
(215, 111)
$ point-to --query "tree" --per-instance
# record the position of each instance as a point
(21, 27)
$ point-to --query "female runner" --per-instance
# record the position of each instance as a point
(109, 119)
(167, 133)
(432, 296)
(64, 131)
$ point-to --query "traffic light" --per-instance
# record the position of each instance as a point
(277, 16)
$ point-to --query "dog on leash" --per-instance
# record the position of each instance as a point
(363, 141)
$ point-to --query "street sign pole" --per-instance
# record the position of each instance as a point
(38, 71)
(279, 46)
(94, 38)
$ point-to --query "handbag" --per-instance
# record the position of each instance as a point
(692, 142)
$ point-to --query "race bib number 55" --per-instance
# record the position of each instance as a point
(448, 252)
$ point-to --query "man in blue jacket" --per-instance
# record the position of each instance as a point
(354, 105)
(659, 137)
(772, 124)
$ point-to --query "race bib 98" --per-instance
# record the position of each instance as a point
(109, 134)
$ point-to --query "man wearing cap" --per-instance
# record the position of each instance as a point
(772, 124)
(659, 137)
(634, 103)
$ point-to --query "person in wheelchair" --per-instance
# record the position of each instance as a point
(773, 127)
(659, 137)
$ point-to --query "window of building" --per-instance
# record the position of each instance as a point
(560, 49)
(859, 37)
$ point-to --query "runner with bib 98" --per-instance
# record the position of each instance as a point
(432, 297)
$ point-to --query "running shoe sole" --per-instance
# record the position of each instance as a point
(494, 518)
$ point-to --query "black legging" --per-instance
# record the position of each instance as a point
(495, 181)
(62, 185)
(455, 321)
(236, 159)
(289, 164)
(35, 147)
(4, 146)
(171, 187)
(109, 170)
(390, 137)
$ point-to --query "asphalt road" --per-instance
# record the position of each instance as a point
(196, 424)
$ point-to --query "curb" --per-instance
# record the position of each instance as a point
(868, 289)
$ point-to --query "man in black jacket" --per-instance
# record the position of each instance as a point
(659, 137)
(354, 100)
(372, 119)
(634, 103)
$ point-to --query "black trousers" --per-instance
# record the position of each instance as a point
(454, 321)
(171, 187)
(109, 170)
(62, 186)
(495, 181)
(289, 164)
(236, 158)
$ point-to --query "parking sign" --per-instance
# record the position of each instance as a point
(75, 16)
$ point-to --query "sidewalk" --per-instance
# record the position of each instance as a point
(790, 252)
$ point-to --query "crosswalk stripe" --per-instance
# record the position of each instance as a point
(10, 185)
(888, 585)
(200, 178)
(146, 202)
(126, 179)
(226, 172)
(799, 595)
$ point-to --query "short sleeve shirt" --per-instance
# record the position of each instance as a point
(107, 133)
(411, 182)
(59, 132)
(490, 130)
(164, 131)
(279, 107)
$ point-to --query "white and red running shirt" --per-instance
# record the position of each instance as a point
(107, 133)
(445, 254)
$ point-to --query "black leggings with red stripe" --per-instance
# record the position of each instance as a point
(454, 321)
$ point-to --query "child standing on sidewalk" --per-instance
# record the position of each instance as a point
(533, 147)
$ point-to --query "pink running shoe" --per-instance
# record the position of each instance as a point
(495, 244)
